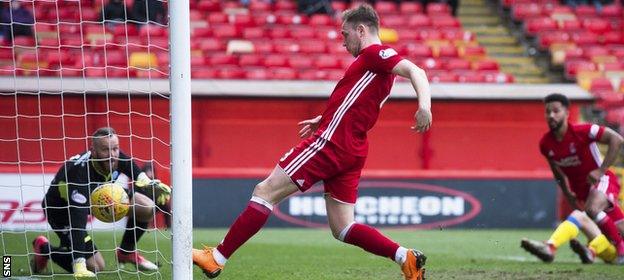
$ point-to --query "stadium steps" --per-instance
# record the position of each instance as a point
(481, 18)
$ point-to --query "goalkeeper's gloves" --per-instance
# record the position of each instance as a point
(80, 269)
(162, 191)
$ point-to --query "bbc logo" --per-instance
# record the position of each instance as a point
(6, 266)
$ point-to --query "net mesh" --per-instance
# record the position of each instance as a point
(66, 69)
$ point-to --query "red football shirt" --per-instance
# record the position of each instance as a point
(577, 154)
(354, 105)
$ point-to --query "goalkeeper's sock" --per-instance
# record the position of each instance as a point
(134, 231)
(609, 229)
(369, 239)
(62, 256)
(603, 248)
(248, 223)
(565, 232)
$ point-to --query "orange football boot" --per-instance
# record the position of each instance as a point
(413, 266)
(205, 261)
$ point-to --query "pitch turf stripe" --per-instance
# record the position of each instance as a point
(292, 167)
(354, 92)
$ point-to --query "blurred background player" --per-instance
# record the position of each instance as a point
(67, 208)
(598, 245)
(582, 175)
(335, 149)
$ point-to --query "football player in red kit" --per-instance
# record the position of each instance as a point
(583, 176)
(334, 150)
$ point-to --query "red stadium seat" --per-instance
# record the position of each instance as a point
(231, 73)
(571, 25)
(259, 6)
(418, 50)
(584, 38)
(288, 18)
(601, 84)
(410, 8)
(430, 64)
(438, 9)
(320, 20)
(286, 46)
(520, 12)
(597, 25)
(454, 64)
(201, 32)
(394, 21)
(470, 77)
(584, 11)
(595, 50)
(547, 38)
(222, 59)
(430, 34)
(250, 60)
(302, 32)
(334, 74)
(263, 46)
(386, 7)
(203, 73)
(313, 74)
(285, 5)
(197, 61)
(242, 20)
(442, 77)
(613, 38)
(485, 65)
(573, 54)
(254, 33)
(571, 68)
(326, 62)
(445, 22)
(447, 51)
(336, 48)
(283, 73)
(327, 33)
(225, 31)
(279, 32)
(408, 34)
(276, 60)
(611, 11)
(257, 73)
(212, 45)
(301, 62)
(338, 6)
(419, 21)
(534, 25)
(312, 46)
(209, 5)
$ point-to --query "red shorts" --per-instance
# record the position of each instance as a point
(316, 159)
(610, 186)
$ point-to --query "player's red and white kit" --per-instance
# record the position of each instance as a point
(337, 151)
(577, 155)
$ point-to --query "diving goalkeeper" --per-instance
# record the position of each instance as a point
(67, 206)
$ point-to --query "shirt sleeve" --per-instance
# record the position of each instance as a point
(381, 59)
(590, 132)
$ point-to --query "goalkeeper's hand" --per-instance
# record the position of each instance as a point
(80, 269)
(161, 190)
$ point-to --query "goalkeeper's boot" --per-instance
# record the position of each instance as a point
(413, 266)
(585, 253)
(205, 261)
(80, 269)
(137, 259)
(39, 261)
(539, 249)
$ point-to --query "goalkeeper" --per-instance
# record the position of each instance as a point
(67, 207)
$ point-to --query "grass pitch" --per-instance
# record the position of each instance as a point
(314, 254)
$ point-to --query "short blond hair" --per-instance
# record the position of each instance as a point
(363, 14)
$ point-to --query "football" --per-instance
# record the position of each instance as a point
(109, 202)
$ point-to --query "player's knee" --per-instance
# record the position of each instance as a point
(340, 232)
(579, 215)
(592, 211)
(264, 190)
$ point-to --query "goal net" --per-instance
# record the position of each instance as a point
(67, 68)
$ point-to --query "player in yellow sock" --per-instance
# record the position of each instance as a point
(567, 231)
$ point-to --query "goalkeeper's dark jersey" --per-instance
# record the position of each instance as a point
(71, 188)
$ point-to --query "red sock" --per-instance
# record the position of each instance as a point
(248, 223)
(607, 227)
(371, 240)
(615, 214)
